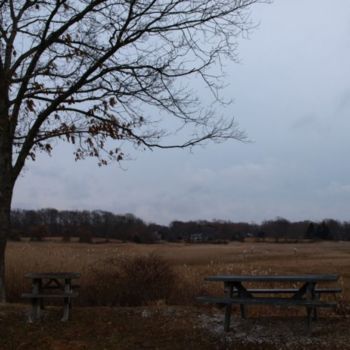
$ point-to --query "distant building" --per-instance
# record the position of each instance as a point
(198, 237)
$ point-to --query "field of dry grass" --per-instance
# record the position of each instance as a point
(98, 264)
(172, 320)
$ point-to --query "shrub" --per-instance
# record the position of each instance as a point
(85, 235)
(145, 279)
(133, 281)
(66, 238)
(85, 239)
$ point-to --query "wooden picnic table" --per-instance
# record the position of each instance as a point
(51, 285)
(307, 293)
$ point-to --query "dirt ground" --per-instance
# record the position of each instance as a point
(166, 327)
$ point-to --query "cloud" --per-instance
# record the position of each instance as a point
(335, 189)
(342, 107)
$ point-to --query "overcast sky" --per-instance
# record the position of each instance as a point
(291, 94)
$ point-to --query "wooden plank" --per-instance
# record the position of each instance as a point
(52, 275)
(51, 287)
(44, 296)
(267, 301)
(288, 290)
(328, 290)
(274, 278)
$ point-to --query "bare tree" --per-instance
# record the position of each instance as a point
(90, 71)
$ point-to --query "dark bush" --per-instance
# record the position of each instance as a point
(132, 281)
(145, 279)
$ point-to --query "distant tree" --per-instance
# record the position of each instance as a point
(37, 232)
(336, 229)
(280, 227)
(261, 235)
(66, 238)
(346, 231)
(158, 231)
(310, 231)
(297, 230)
(31, 218)
(98, 70)
(322, 231)
(49, 217)
(84, 234)
(137, 239)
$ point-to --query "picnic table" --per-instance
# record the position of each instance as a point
(51, 285)
(307, 293)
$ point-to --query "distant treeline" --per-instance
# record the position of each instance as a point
(37, 224)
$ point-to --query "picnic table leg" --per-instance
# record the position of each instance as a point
(310, 295)
(41, 300)
(309, 318)
(242, 293)
(66, 308)
(36, 304)
(315, 296)
(228, 287)
(242, 309)
(67, 301)
(35, 312)
(227, 317)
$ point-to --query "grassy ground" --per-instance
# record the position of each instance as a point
(191, 263)
(175, 322)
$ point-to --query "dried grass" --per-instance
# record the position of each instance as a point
(116, 274)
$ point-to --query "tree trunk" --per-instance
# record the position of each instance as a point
(6, 183)
(5, 229)
(5, 225)
(6, 189)
(2, 271)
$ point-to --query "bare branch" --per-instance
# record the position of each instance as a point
(116, 70)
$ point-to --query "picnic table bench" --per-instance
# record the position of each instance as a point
(307, 295)
(51, 285)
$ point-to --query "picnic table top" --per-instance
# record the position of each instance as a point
(52, 275)
(274, 278)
